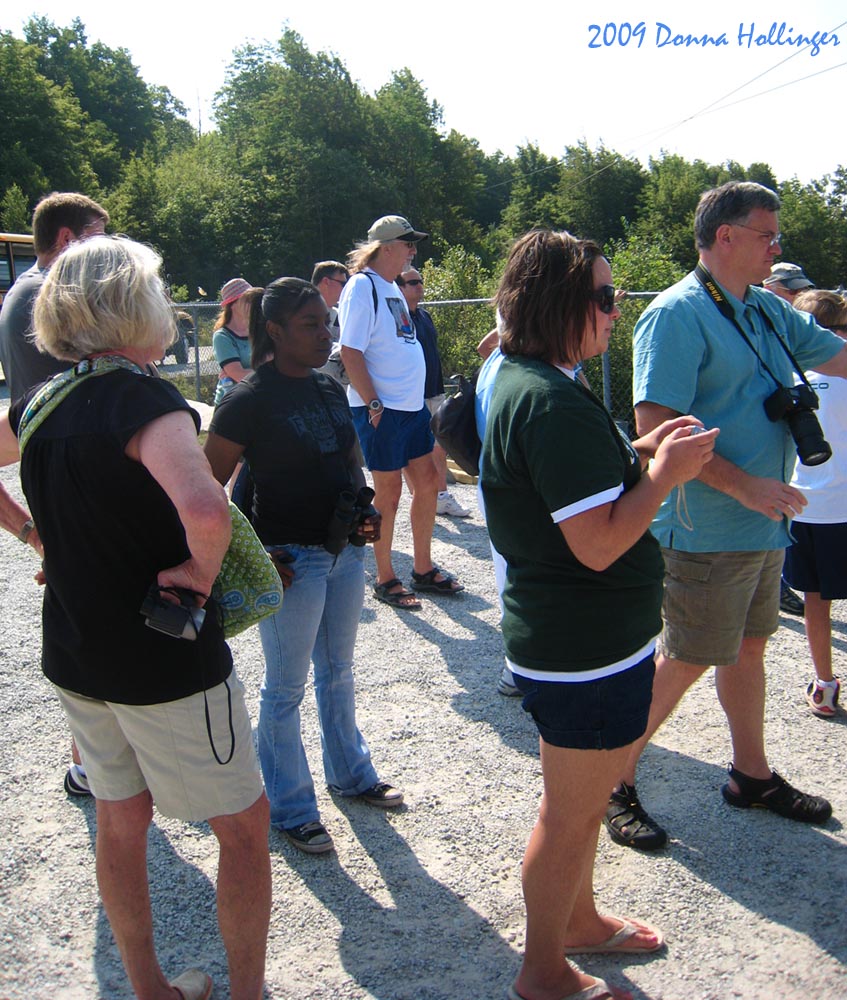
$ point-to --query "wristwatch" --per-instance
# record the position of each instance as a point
(26, 528)
(375, 407)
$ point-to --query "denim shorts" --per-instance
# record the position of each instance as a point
(603, 714)
(817, 561)
(400, 437)
(714, 600)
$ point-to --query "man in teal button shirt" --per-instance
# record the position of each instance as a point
(717, 356)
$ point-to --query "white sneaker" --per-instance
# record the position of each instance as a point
(506, 685)
(822, 697)
(76, 781)
(449, 505)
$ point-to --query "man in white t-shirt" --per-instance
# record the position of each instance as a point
(787, 281)
(385, 364)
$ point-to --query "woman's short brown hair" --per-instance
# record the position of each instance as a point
(544, 297)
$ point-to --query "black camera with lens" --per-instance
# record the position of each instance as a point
(341, 522)
(363, 510)
(796, 406)
(181, 619)
(351, 510)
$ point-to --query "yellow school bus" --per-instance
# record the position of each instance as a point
(17, 254)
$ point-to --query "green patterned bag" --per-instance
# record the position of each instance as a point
(248, 587)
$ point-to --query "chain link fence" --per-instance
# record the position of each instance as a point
(461, 325)
(190, 362)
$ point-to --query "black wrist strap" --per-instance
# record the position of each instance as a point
(726, 310)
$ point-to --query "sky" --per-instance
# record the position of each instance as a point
(548, 73)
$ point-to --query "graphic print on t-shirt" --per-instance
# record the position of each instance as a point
(400, 311)
(318, 423)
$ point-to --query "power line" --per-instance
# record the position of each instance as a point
(711, 108)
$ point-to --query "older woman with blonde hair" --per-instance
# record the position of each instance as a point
(569, 501)
(141, 518)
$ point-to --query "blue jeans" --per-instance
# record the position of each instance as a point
(318, 621)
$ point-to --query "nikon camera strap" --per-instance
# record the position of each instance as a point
(726, 310)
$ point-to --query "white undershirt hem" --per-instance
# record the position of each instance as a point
(578, 676)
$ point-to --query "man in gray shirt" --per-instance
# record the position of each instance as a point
(59, 219)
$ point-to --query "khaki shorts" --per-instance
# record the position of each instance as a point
(713, 600)
(165, 748)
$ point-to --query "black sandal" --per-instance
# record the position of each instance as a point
(629, 823)
(402, 598)
(426, 582)
(776, 794)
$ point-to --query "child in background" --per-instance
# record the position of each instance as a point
(815, 563)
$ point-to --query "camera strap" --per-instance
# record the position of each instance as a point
(726, 310)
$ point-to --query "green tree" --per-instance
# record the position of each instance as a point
(597, 191)
(460, 275)
(14, 216)
(122, 114)
(531, 202)
(495, 175)
(404, 142)
(104, 80)
(43, 128)
(432, 178)
(639, 264)
(172, 128)
(761, 173)
(295, 127)
(135, 203)
(673, 189)
(814, 220)
(201, 242)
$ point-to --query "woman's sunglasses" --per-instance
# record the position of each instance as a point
(605, 298)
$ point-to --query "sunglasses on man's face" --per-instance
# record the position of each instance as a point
(605, 298)
(413, 281)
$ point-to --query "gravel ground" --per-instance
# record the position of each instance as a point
(424, 903)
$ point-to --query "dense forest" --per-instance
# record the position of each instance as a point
(301, 160)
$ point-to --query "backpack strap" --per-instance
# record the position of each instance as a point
(373, 291)
(51, 394)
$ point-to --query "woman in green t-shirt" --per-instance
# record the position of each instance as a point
(569, 506)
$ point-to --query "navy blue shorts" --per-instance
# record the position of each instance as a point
(604, 714)
(400, 436)
(817, 561)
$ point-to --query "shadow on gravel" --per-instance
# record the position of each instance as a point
(184, 914)
(475, 661)
(789, 873)
(839, 629)
(393, 950)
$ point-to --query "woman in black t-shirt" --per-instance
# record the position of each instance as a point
(125, 504)
(294, 428)
(569, 507)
